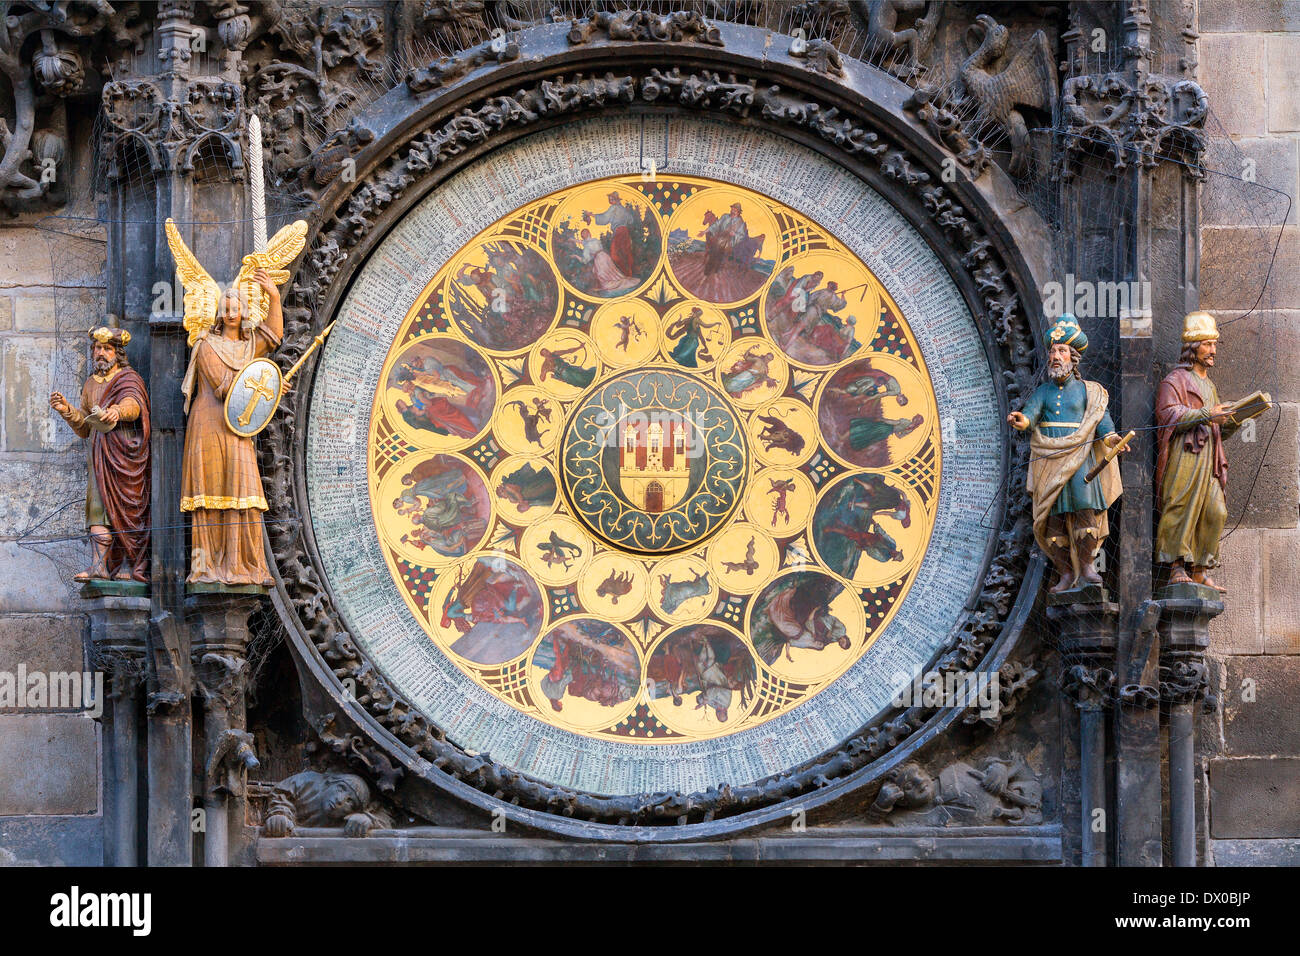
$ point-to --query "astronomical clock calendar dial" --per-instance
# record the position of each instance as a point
(652, 483)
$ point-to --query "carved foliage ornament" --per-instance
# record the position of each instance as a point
(353, 223)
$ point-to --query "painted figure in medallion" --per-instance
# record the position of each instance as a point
(114, 414)
(445, 388)
(221, 487)
(795, 611)
(496, 608)
(1072, 428)
(707, 661)
(853, 417)
(692, 347)
(590, 660)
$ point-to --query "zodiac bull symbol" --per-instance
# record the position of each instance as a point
(677, 593)
(615, 586)
(777, 434)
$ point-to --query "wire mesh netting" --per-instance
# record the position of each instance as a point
(113, 210)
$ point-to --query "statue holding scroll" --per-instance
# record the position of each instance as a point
(1073, 478)
(221, 487)
(1191, 465)
(114, 414)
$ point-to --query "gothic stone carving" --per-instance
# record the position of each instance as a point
(315, 799)
(677, 27)
(998, 308)
(999, 791)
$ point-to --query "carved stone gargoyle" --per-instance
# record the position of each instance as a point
(1000, 791)
(231, 760)
(328, 799)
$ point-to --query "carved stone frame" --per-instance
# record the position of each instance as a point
(983, 233)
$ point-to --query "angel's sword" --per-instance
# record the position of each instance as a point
(256, 185)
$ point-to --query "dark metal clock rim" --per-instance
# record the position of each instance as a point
(725, 522)
(878, 110)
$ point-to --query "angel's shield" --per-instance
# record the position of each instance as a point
(253, 397)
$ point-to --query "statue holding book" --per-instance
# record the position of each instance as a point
(1191, 465)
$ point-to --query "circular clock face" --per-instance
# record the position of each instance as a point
(652, 483)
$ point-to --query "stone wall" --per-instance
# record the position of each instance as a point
(1248, 54)
(51, 292)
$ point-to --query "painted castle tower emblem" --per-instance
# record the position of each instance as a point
(654, 460)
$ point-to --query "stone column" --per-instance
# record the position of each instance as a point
(219, 628)
(1085, 636)
(119, 627)
(1185, 614)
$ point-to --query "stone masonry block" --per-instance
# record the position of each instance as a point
(1283, 84)
(1229, 198)
(1264, 475)
(46, 642)
(1255, 797)
(1239, 629)
(1232, 71)
(1248, 16)
(1260, 351)
(1235, 268)
(1265, 726)
(51, 764)
(1281, 587)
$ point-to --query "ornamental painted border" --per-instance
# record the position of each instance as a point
(901, 164)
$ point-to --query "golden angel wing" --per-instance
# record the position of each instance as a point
(201, 292)
(282, 249)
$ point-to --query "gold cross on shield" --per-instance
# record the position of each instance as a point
(261, 389)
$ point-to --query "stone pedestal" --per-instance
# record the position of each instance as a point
(218, 641)
(1185, 614)
(119, 628)
(1085, 623)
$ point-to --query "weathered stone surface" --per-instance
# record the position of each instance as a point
(30, 424)
(1238, 369)
(6, 313)
(1255, 797)
(45, 642)
(1281, 584)
(51, 841)
(31, 257)
(1266, 725)
(35, 313)
(31, 581)
(1255, 852)
(1232, 71)
(1228, 199)
(1264, 490)
(1250, 16)
(1234, 268)
(35, 485)
(50, 764)
(1239, 629)
(1283, 87)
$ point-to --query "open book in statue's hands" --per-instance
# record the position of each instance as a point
(1252, 406)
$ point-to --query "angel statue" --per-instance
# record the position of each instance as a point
(221, 487)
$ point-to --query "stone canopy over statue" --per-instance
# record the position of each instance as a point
(114, 414)
(1072, 431)
(221, 487)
